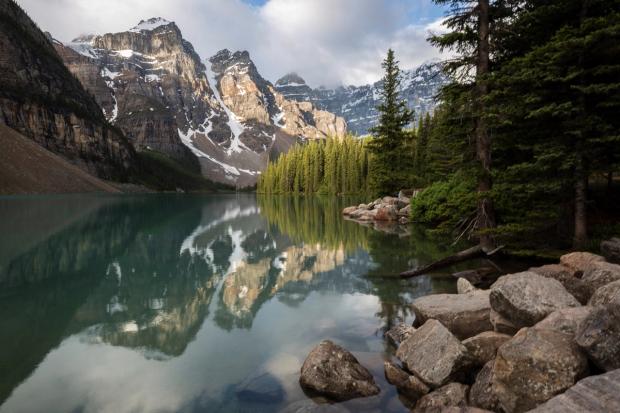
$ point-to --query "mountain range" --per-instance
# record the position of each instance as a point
(102, 101)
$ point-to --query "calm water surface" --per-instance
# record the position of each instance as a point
(173, 303)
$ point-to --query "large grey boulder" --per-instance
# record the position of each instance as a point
(600, 274)
(599, 336)
(463, 286)
(335, 373)
(566, 320)
(481, 393)
(399, 333)
(433, 354)
(568, 277)
(526, 298)
(483, 347)
(580, 261)
(595, 394)
(606, 294)
(465, 315)
(534, 366)
(501, 324)
(408, 385)
(611, 250)
(450, 395)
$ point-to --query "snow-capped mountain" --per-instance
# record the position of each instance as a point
(357, 104)
(152, 84)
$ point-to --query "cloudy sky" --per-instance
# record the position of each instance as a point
(328, 42)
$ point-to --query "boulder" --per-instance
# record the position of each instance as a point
(335, 373)
(362, 215)
(595, 394)
(465, 315)
(261, 388)
(481, 393)
(600, 274)
(606, 294)
(450, 395)
(464, 287)
(399, 333)
(610, 249)
(580, 261)
(526, 298)
(501, 325)
(405, 212)
(568, 277)
(566, 320)
(483, 347)
(349, 210)
(363, 206)
(386, 213)
(433, 354)
(534, 366)
(409, 386)
(599, 336)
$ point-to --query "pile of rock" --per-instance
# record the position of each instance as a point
(387, 209)
(528, 342)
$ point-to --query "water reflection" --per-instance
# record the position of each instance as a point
(165, 303)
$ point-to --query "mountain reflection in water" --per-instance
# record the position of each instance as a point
(168, 302)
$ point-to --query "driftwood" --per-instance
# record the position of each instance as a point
(468, 254)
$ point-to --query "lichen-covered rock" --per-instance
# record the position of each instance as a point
(433, 354)
(408, 385)
(599, 336)
(534, 366)
(596, 394)
(566, 320)
(464, 287)
(568, 277)
(481, 393)
(606, 294)
(483, 347)
(465, 315)
(600, 274)
(501, 324)
(526, 298)
(335, 373)
(399, 333)
(580, 261)
(450, 395)
(611, 250)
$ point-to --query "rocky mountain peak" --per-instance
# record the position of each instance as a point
(291, 79)
(151, 24)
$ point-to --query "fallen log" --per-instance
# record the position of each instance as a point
(468, 254)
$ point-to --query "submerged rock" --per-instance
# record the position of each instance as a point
(526, 298)
(465, 315)
(309, 406)
(335, 373)
(408, 385)
(433, 354)
(599, 336)
(450, 395)
(483, 347)
(263, 388)
(399, 333)
(596, 394)
(566, 320)
(534, 366)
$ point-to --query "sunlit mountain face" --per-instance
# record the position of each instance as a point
(167, 303)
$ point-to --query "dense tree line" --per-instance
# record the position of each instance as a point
(332, 166)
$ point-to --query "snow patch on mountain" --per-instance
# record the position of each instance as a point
(149, 25)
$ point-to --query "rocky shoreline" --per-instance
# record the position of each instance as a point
(543, 340)
(386, 209)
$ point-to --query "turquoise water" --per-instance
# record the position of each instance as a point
(168, 303)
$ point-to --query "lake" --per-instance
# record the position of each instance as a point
(177, 303)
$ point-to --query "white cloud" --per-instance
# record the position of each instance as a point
(328, 42)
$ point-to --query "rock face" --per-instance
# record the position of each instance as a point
(566, 320)
(409, 386)
(159, 92)
(357, 105)
(333, 372)
(534, 366)
(481, 393)
(606, 294)
(568, 277)
(399, 333)
(450, 395)
(433, 354)
(526, 298)
(596, 394)
(465, 315)
(611, 250)
(599, 336)
(600, 274)
(483, 347)
(40, 99)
